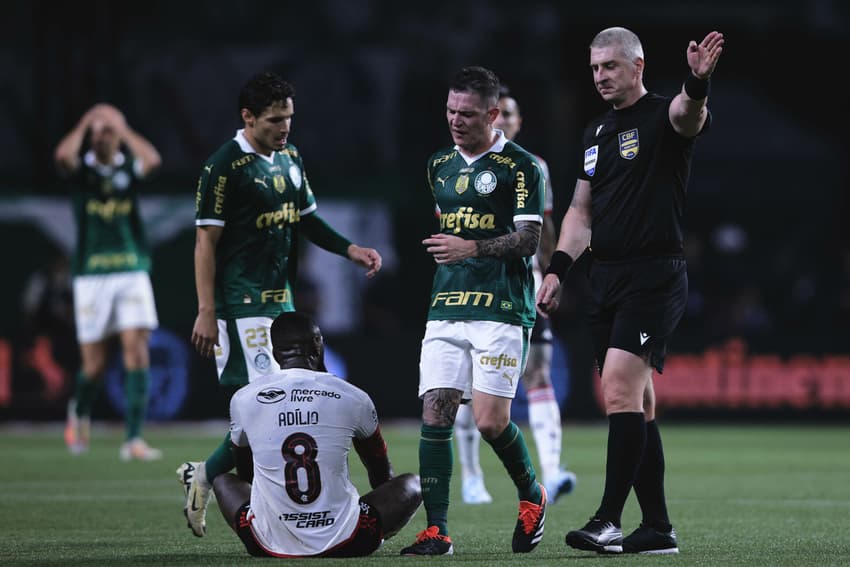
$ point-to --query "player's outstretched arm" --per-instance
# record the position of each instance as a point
(368, 258)
(688, 111)
(373, 453)
(322, 235)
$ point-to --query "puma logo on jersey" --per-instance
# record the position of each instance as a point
(643, 338)
(442, 181)
(208, 168)
(599, 129)
(262, 181)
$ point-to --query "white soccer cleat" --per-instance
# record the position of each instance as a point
(473, 491)
(137, 450)
(192, 476)
(561, 484)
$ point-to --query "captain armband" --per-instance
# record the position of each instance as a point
(559, 264)
(697, 88)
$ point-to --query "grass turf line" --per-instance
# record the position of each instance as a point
(738, 495)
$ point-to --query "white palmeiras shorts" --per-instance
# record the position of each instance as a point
(106, 304)
(244, 350)
(487, 356)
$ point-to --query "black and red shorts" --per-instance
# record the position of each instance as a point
(367, 537)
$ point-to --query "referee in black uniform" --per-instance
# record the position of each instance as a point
(627, 210)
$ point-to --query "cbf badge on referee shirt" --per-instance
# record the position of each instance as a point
(590, 156)
(629, 144)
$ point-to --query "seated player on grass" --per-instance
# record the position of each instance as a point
(291, 433)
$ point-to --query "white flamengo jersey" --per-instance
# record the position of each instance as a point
(300, 425)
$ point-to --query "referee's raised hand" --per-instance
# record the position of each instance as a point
(703, 56)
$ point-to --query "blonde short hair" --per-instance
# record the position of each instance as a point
(627, 40)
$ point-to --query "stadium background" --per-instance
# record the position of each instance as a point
(767, 333)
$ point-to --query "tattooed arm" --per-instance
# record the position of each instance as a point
(517, 244)
(447, 248)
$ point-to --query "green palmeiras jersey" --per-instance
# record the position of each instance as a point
(479, 199)
(110, 234)
(259, 202)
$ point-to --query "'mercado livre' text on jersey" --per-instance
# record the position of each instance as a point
(260, 200)
(638, 168)
(300, 425)
(110, 233)
(477, 201)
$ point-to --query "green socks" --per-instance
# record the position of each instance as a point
(221, 460)
(136, 386)
(86, 393)
(435, 473)
(511, 449)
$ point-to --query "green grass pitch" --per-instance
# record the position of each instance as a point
(755, 495)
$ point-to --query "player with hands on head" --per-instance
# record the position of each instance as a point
(112, 289)
(627, 211)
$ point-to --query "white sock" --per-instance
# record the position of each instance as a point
(468, 441)
(544, 418)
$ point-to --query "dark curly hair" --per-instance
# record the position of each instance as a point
(263, 90)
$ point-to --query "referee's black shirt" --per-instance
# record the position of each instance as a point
(638, 169)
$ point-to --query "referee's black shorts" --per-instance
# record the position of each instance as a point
(635, 305)
(541, 333)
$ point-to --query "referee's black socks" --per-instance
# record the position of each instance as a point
(649, 483)
(626, 442)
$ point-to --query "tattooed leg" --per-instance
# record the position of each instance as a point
(439, 407)
(435, 454)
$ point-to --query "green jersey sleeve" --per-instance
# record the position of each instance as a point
(212, 192)
(529, 191)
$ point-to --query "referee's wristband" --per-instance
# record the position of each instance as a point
(559, 264)
(697, 88)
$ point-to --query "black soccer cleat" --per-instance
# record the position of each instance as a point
(529, 525)
(430, 542)
(597, 535)
(647, 540)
